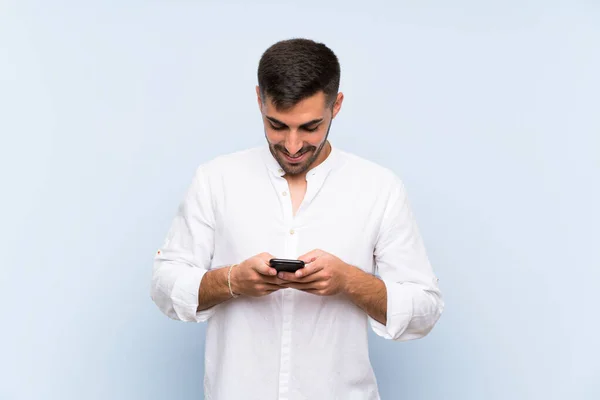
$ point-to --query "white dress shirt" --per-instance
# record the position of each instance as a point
(291, 344)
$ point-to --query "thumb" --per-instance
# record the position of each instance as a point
(310, 256)
(263, 266)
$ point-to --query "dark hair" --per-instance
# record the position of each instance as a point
(291, 70)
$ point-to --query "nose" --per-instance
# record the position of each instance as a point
(293, 143)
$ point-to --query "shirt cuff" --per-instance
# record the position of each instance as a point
(185, 296)
(400, 313)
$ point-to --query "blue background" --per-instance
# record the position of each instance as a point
(489, 113)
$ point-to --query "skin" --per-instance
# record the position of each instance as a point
(325, 275)
(299, 131)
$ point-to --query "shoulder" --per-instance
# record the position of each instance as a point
(231, 163)
(376, 182)
(367, 171)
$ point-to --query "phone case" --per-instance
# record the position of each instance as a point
(282, 265)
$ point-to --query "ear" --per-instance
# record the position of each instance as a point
(337, 106)
(260, 104)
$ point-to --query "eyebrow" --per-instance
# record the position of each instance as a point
(304, 125)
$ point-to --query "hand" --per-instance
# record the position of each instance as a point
(323, 274)
(254, 277)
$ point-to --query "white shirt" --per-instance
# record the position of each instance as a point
(291, 344)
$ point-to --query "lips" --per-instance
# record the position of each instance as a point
(295, 160)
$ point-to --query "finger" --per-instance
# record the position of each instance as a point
(309, 269)
(311, 256)
(286, 276)
(263, 267)
(308, 276)
(273, 280)
(267, 257)
(269, 286)
(265, 292)
(300, 286)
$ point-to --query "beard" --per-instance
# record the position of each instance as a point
(293, 169)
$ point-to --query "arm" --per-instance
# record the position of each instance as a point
(182, 286)
(182, 263)
(367, 292)
(213, 289)
(413, 299)
(406, 302)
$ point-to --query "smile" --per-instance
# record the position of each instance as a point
(294, 160)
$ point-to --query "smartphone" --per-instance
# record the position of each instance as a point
(286, 265)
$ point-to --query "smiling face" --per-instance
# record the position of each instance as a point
(297, 136)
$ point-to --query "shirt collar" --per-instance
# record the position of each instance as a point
(322, 169)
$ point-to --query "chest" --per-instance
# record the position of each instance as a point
(290, 220)
(297, 192)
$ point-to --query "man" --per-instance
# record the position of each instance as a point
(296, 335)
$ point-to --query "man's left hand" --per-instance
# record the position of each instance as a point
(323, 274)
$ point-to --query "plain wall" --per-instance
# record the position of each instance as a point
(488, 112)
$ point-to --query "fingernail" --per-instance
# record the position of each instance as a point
(280, 275)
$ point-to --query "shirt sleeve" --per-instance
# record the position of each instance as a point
(186, 255)
(414, 300)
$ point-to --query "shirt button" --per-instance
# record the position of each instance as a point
(280, 171)
(284, 193)
(292, 231)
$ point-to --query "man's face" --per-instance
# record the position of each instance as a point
(297, 136)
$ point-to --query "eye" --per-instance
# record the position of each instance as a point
(312, 129)
(278, 127)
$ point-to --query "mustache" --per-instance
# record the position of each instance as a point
(298, 154)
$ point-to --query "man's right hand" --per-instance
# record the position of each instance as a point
(254, 277)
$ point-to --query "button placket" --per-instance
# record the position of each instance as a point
(287, 295)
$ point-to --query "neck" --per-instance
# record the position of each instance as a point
(324, 154)
(322, 157)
